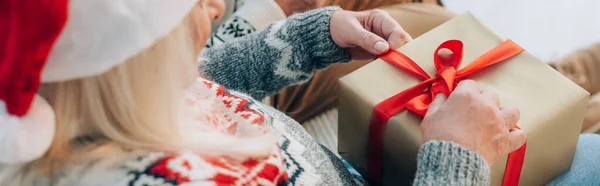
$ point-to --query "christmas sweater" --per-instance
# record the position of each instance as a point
(285, 53)
(293, 162)
(242, 17)
(296, 160)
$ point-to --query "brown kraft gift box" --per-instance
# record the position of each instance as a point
(551, 106)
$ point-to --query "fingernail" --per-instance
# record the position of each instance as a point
(440, 96)
(381, 46)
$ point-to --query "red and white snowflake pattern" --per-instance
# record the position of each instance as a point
(199, 169)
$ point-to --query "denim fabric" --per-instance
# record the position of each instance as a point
(585, 169)
(357, 177)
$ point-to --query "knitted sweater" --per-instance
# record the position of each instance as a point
(297, 160)
(243, 17)
(283, 54)
(288, 52)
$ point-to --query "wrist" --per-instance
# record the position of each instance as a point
(465, 143)
(313, 34)
(444, 159)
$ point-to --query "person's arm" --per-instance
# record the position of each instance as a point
(285, 53)
(448, 163)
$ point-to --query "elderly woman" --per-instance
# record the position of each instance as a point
(120, 102)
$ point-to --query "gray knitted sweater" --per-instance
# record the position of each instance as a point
(287, 53)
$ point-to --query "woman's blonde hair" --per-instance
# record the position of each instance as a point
(136, 106)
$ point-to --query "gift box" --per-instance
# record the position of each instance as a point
(552, 107)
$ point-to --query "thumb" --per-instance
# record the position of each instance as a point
(445, 54)
(372, 43)
(516, 139)
(437, 103)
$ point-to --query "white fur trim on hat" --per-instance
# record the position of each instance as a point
(26, 138)
(101, 34)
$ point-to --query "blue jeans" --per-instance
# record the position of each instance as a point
(585, 169)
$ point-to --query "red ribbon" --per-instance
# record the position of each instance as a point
(417, 99)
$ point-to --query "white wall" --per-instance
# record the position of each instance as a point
(548, 29)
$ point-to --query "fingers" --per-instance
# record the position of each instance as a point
(445, 54)
(491, 97)
(372, 43)
(511, 116)
(373, 31)
(436, 104)
(397, 38)
(391, 30)
(384, 25)
(467, 87)
(516, 139)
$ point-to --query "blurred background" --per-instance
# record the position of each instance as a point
(549, 29)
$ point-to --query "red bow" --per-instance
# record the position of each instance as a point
(417, 98)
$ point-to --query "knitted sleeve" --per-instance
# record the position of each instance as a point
(447, 163)
(285, 53)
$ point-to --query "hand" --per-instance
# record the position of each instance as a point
(367, 34)
(473, 118)
(290, 7)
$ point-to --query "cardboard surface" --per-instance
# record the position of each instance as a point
(551, 106)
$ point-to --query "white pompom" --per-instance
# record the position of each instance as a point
(29, 137)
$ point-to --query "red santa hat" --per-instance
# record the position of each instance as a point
(58, 40)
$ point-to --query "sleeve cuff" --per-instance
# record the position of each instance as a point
(316, 36)
(450, 163)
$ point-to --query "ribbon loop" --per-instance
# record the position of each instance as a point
(456, 47)
(417, 98)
